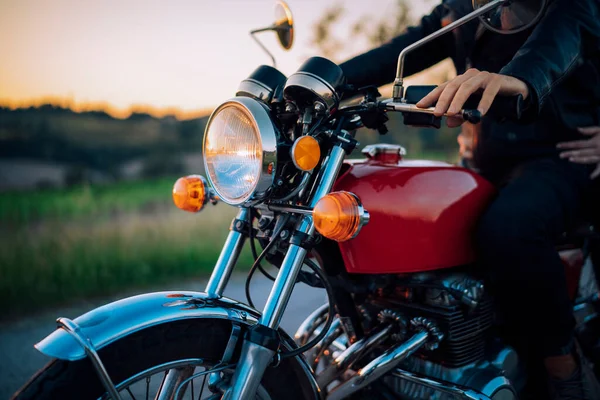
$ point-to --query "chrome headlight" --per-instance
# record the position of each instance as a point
(240, 150)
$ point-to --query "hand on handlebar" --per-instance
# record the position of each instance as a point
(452, 95)
(584, 151)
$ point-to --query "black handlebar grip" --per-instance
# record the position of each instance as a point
(503, 107)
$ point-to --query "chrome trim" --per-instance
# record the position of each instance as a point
(75, 331)
(292, 263)
(173, 384)
(286, 278)
(256, 89)
(412, 108)
(283, 286)
(426, 325)
(111, 322)
(155, 369)
(263, 124)
(398, 88)
(116, 320)
(444, 387)
(363, 216)
(288, 208)
(227, 259)
(213, 371)
(334, 332)
(383, 148)
(379, 366)
(310, 324)
(261, 358)
(388, 360)
(353, 354)
(320, 88)
(330, 174)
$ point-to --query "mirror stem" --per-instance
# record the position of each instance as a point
(398, 92)
(262, 46)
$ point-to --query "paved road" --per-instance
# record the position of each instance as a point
(19, 360)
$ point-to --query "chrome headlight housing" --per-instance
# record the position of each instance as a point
(240, 150)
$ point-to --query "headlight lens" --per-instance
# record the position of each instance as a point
(239, 157)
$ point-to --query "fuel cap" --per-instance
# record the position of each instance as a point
(384, 152)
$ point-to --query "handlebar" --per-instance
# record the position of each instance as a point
(503, 107)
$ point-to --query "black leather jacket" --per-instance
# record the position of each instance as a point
(559, 59)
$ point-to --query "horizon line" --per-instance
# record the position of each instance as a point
(104, 106)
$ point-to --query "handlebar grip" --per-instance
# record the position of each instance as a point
(503, 107)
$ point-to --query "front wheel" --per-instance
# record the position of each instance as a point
(139, 366)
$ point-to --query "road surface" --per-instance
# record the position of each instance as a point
(19, 360)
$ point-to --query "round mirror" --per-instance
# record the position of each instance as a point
(513, 16)
(284, 25)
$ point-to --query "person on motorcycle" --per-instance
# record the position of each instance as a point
(555, 67)
(588, 152)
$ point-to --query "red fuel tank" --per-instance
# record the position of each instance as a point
(423, 214)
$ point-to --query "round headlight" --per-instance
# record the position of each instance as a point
(240, 150)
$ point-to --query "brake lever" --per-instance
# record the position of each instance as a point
(473, 116)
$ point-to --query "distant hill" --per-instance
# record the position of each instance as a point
(93, 142)
(55, 146)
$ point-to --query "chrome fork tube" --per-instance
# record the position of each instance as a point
(229, 256)
(254, 359)
(292, 263)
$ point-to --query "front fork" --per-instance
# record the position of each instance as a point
(261, 342)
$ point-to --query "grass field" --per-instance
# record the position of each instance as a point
(58, 246)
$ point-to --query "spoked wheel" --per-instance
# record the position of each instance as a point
(182, 379)
(155, 362)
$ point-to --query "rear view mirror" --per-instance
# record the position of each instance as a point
(284, 25)
(512, 16)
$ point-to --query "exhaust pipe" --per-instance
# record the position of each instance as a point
(353, 354)
(380, 366)
(310, 324)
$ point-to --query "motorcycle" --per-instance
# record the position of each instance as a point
(389, 240)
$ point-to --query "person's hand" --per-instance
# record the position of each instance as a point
(452, 95)
(584, 151)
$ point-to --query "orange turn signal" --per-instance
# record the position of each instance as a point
(306, 153)
(190, 193)
(339, 216)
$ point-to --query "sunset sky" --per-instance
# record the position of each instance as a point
(177, 54)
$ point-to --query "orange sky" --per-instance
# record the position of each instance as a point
(176, 56)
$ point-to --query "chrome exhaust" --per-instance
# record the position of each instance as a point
(319, 350)
(379, 366)
(353, 354)
(310, 325)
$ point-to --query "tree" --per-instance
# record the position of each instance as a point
(375, 32)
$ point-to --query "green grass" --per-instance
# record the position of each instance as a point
(112, 239)
(18, 208)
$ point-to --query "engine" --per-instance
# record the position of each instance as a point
(456, 304)
(459, 307)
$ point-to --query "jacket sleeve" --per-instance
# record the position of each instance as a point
(378, 66)
(555, 47)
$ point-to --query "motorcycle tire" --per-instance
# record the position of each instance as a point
(195, 338)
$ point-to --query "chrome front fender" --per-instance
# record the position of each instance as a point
(111, 322)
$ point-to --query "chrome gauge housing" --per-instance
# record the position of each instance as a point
(240, 151)
(261, 83)
(317, 80)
